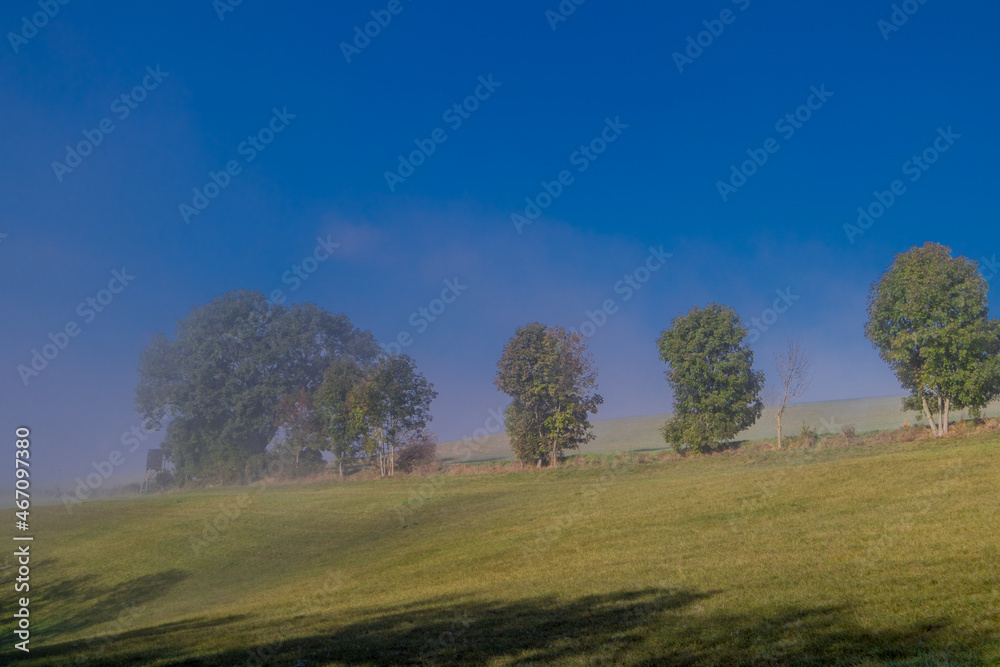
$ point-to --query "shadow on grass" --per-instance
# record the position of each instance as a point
(644, 627)
(94, 603)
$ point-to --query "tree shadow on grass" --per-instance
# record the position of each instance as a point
(94, 603)
(643, 627)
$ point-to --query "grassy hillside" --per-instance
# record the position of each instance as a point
(643, 433)
(866, 555)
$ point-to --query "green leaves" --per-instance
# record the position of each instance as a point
(928, 317)
(220, 381)
(374, 412)
(550, 377)
(716, 391)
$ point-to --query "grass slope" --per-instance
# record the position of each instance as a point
(643, 433)
(867, 555)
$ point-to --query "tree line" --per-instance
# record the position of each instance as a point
(246, 381)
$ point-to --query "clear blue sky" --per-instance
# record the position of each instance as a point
(211, 84)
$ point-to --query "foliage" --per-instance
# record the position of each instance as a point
(302, 430)
(334, 405)
(218, 385)
(716, 390)
(164, 480)
(550, 378)
(388, 407)
(928, 317)
(808, 437)
(369, 413)
(418, 451)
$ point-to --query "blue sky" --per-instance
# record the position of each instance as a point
(197, 88)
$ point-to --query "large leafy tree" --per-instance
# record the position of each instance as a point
(219, 384)
(928, 318)
(716, 389)
(389, 407)
(550, 378)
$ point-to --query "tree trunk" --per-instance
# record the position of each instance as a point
(778, 417)
(947, 409)
(940, 416)
(930, 418)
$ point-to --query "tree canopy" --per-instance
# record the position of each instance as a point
(928, 317)
(716, 390)
(218, 385)
(550, 378)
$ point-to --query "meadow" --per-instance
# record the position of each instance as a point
(866, 555)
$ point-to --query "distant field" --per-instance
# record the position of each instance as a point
(876, 555)
(643, 433)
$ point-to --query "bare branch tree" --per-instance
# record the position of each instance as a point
(794, 368)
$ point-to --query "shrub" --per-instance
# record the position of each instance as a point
(164, 480)
(807, 437)
(849, 432)
(310, 461)
(420, 451)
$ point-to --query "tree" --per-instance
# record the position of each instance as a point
(928, 317)
(334, 402)
(218, 385)
(549, 376)
(716, 390)
(793, 365)
(388, 407)
(302, 430)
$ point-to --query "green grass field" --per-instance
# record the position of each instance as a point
(873, 555)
